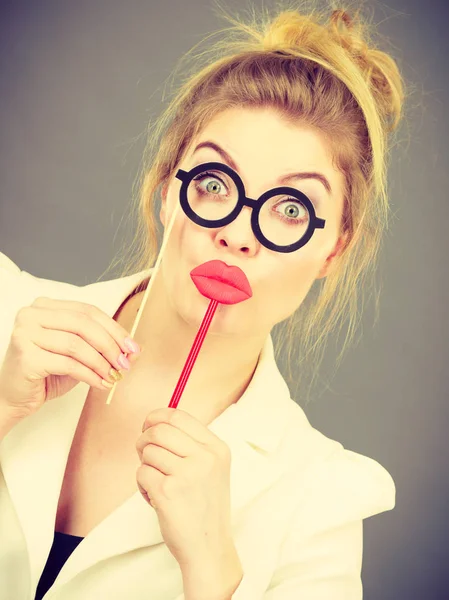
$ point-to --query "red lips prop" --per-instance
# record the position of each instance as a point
(220, 283)
(217, 281)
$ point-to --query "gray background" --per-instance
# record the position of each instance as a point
(79, 81)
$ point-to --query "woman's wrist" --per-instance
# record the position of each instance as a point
(9, 417)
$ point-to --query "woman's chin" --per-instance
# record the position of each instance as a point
(193, 310)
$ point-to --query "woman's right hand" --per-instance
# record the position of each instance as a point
(54, 345)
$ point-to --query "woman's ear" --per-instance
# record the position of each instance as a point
(330, 260)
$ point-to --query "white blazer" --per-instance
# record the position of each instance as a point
(298, 498)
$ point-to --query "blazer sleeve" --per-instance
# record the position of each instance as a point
(321, 559)
(327, 566)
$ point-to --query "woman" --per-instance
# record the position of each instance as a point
(299, 104)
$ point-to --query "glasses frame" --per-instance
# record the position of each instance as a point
(186, 177)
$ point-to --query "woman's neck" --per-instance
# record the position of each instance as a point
(222, 371)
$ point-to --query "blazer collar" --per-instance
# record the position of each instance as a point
(34, 456)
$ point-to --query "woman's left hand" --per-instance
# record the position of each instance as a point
(185, 477)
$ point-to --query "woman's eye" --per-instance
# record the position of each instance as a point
(213, 186)
(292, 210)
(210, 183)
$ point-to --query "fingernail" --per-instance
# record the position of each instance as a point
(131, 345)
(116, 375)
(123, 362)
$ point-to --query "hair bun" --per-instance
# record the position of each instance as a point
(291, 30)
(378, 68)
(349, 33)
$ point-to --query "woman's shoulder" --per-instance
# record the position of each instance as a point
(22, 287)
(8, 265)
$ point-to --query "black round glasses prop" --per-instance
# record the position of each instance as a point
(221, 200)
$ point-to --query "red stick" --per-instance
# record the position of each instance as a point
(197, 343)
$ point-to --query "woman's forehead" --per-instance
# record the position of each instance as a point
(256, 135)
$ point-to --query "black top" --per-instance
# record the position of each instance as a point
(63, 546)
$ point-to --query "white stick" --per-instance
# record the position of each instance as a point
(147, 291)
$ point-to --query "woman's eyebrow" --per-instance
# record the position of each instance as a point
(301, 175)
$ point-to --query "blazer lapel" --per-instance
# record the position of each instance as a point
(134, 524)
(253, 429)
(34, 456)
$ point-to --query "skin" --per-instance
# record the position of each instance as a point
(264, 147)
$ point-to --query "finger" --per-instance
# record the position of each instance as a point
(57, 364)
(115, 330)
(75, 347)
(148, 479)
(171, 438)
(161, 459)
(80, 325)
(184, 421)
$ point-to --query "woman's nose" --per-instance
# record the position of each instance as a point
(238, 235)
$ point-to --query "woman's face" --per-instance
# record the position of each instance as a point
(264, 148)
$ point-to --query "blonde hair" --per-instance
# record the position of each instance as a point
(315, 70)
